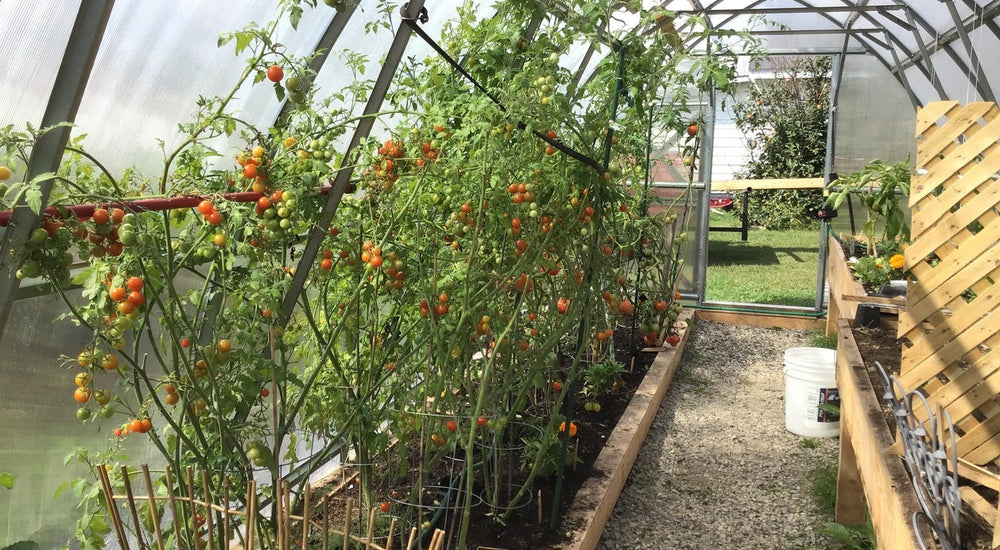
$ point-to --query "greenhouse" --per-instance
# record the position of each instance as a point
(499, 275)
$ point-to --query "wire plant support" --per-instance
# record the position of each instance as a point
(932, 461)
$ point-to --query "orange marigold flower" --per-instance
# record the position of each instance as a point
(896, 261)
(572, 428)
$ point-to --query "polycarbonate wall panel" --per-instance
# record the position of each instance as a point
(156, 59)
(875, 119)
(31, 46)
(40, 426)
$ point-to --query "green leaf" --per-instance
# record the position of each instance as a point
(33, 197)
(243, 40)
(6, 480)
(279, 91)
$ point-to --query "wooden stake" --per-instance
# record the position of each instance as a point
(251, 512)
(189, 474)
(347, 524)
(173, 506)
(153, 513)
(392, 533)
(287, 498)
(326, 522)
(413, 537)
(306, 512)
(371, 528)
(109, 495)
(208, 507)
(437, 540)
(539, 507)
(225, 513)
(132, 508)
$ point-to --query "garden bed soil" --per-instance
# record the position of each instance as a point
(522, 530)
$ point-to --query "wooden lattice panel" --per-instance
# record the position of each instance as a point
(952, 321)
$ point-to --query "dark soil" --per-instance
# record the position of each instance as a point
(522, 529)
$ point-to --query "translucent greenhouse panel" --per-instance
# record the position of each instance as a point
(157, 59)
(32, 55)
(875, 119)
(40, 428)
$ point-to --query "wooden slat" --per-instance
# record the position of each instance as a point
(768, 183)
(928, 117)
(887, 487)
(951, 334)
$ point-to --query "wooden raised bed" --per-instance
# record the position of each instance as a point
(595, 500)
(843, 287)
(868, 469)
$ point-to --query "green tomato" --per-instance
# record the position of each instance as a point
(83, 413)
(106, 411)
(31, 269)
(39, 235)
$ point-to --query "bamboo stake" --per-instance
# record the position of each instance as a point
(413, 536)
(208, 509)
(132, 508)
(347, 524)
(371, 528)
(287, 496)
(173, 507)
(392, 532)
(326, 522)
(437, 540)
(153, 512)
(189, 475)
(539, 507)
(279, 508)
(116, 522)
(306, 512)
(225, 513)
(251, 512)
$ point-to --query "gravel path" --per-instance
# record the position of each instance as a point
(718, 469)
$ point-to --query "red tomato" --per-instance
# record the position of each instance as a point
(481, 421)
(249, 172)
(275, 73)
(692, 129)
(205, 207)
(136, 298)
(134, 283)
(452, 426)
(557, 386)
(385, 507)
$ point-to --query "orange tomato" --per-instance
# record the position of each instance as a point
(82, 394)
(117, 294)
(109, 362)
(224, 346)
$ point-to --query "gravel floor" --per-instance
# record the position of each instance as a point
(718, 469)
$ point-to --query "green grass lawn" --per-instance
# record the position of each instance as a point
(771, 267)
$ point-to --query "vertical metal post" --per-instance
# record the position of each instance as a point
(46, 154)
(705, 173)
(831, 142)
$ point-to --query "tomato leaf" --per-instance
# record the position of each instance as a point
(279, 91)
(6, 480)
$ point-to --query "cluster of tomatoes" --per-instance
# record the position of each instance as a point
(85, 392)
(279, 214)
(128, 298)
(136, 425)
(386, 164)
(440, 308)
(208, 211)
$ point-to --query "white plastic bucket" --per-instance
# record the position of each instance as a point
(811, 381)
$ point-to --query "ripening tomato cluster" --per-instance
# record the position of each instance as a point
(89, 360)
(129, 298)
(208, 211)
(136, 425)
(440, 308)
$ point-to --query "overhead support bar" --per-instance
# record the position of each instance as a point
(927, 64)
(46, 155)
(982, 84)
(906, 83)
(780, 11)
(945, 39)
